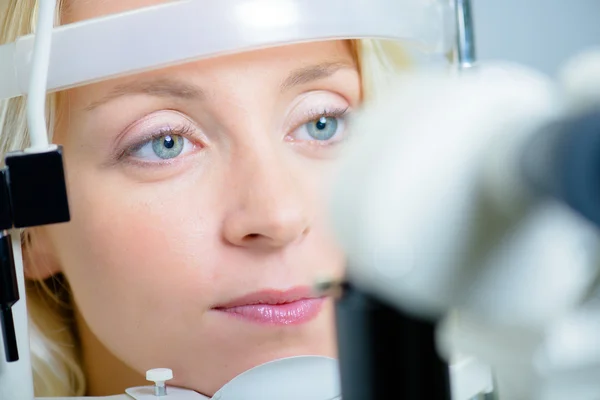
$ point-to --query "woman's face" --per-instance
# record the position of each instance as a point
(198, 192)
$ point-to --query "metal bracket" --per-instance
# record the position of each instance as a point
(465, 55)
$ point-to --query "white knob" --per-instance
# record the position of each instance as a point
(159, 376)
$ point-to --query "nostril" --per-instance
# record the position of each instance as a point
(252, 236)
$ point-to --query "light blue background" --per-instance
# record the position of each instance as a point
(538, 33)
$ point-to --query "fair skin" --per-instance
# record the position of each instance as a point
(230, 200)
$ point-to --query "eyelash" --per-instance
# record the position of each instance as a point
(327, 113)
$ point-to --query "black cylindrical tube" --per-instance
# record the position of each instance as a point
(8, 332)
(9, 295)
(9, 290)
(386, 354)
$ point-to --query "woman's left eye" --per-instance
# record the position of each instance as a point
(162, 148)
(323, 129)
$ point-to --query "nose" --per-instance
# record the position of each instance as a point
(270, 209)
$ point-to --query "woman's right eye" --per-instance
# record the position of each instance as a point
(164, 146)
(159, 138)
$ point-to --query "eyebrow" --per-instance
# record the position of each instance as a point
(174, 88)
(157, 87)
(313, 73)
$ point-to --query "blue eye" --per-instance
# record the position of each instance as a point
(164, 147)
(322, 129)
(168, 146)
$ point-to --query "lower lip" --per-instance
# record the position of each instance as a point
(297, 312)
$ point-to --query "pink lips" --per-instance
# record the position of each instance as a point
(274, 307)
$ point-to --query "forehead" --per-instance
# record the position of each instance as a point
(282, 67)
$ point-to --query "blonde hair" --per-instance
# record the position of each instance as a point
(57, 368)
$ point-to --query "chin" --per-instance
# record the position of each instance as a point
(233, 351)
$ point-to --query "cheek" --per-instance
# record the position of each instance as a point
(318, 179)
(127, 242)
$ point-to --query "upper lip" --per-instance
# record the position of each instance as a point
(272, 297)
